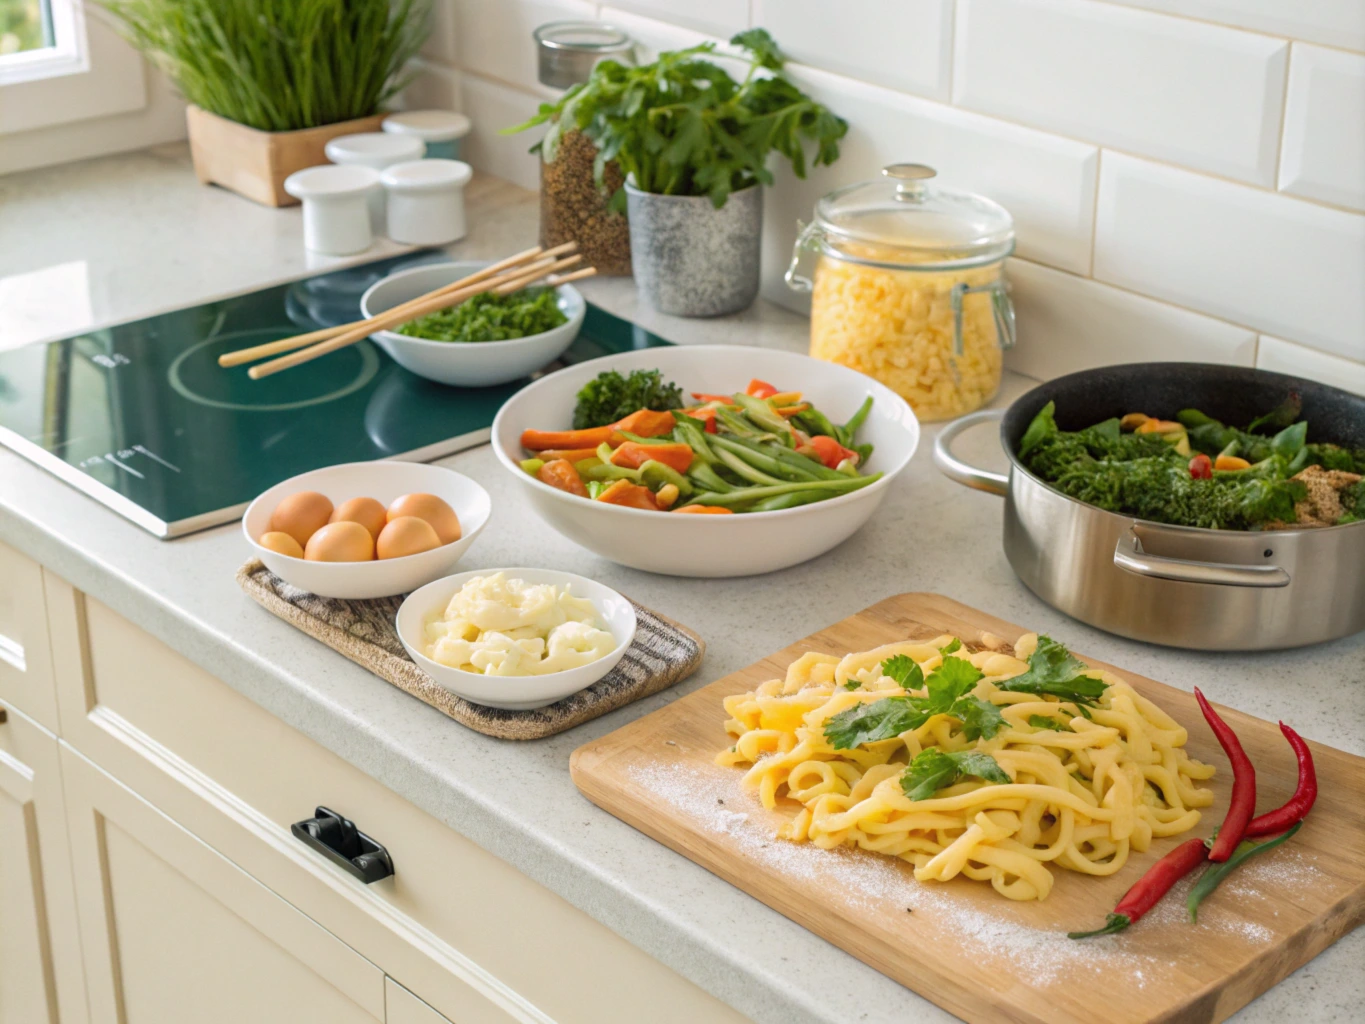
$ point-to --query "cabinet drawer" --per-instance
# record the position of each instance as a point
(25, 655)
(470, 934)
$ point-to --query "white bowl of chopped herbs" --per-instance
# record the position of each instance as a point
(483, 341)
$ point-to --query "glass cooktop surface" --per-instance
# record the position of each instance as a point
(141, 417)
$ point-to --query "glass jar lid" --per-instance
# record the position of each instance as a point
(900, 221)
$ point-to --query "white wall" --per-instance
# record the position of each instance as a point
(1185, 185)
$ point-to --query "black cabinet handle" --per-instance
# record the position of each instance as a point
(344, 845)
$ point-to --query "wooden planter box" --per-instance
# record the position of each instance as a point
(254, 163)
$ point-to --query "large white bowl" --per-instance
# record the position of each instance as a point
(712, 546)
(472, 364)
(515, 692)
(382, 481)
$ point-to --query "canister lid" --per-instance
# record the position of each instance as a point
(901, 218)
(429, 125)
(331, 181)
(427, 175)
(374, 149)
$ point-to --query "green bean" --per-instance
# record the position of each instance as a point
(762, 461)
(763, 414)
(666, 439)
(606, 471)
(743, 495)
(851, 427)
(694, 435)
(654, 474)
(739, 426)
(782, 501)
(817, 422)
(813, 469)
(744, 470)
(708, 478)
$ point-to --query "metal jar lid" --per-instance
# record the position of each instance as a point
(900, 220)
(567, 51)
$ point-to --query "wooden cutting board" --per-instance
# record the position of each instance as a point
(961, 945)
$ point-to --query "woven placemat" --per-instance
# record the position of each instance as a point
(663, 653)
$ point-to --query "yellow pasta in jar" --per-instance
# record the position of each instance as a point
(897, 327)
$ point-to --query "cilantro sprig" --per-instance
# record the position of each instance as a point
(683, 126)
(935, 769)
(948, 691)
(1054, 670)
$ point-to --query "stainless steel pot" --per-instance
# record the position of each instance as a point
(1217, 590)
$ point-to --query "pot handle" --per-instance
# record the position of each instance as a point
(954, 468)
(1129, 556)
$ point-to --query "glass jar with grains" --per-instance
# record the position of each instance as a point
(909, 288)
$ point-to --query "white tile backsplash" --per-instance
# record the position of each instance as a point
(715, 17)
(1184, 174)
(492, 106)
(1253, 257)
(902, 44)
(1334, 22)
(1324, 126)
(493, 37)
(1068, 323)
(1286, 357)
(1199, 95)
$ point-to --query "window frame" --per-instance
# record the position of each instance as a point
(69, 53)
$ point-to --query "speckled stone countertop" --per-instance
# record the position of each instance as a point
(124, 236)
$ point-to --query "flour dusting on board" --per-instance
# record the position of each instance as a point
(714, 799)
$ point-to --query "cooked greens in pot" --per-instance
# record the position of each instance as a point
(1197, 471)
(489, 317)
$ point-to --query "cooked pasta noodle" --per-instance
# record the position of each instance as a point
(1102, 782)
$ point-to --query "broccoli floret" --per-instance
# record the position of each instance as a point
(610, 397)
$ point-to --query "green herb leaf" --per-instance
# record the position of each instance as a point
(879, 720)
(935, 769)
(980, 718)
(489, 317)
(610, 397)
(953, 647)
(1055, 670)
(954, 678)
(1213, 876)
(904, 672)
(1044, 722)
(852, 684)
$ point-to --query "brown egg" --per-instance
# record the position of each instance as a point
(365, 511)
(431, 508)
(301, 515)
(406, 535)
(340, 542)
(281, 543)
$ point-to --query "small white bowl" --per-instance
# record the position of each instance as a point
(473, 364)
(712, 546)
(515, 692)
(382, 481)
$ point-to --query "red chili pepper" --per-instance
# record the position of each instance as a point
(1201, 467)
(1296, 808)
(1149, 889)
(1243, 804)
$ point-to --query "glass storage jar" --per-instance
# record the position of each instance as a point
(908, 287)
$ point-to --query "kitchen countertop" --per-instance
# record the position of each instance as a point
(124, 236)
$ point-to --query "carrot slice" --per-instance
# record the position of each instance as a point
(633, 455)
(705, 510)
(541, 440)
(623, 492)
(561, 474)
(647, 423)
(568, 454)
(706, 414)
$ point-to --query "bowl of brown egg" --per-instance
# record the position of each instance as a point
(366, 529)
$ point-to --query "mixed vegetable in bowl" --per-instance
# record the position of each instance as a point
(635, 443)
(1197, 471)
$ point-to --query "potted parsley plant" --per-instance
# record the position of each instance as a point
(694, 145)
(270, 82)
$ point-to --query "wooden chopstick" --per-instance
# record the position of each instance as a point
(535, 254)
(555, 280)
(402, 314)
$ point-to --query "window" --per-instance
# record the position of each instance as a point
(41, 39)
(24, 25)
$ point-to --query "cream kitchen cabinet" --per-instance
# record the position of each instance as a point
(25, 658)
(40, 954)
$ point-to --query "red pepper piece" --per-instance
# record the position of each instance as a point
(1296, 808)
(1201, 467)
(1243, 804)
(830, 451)
(760, 389)
(702, 396)
(706, 414)
(1149, 889)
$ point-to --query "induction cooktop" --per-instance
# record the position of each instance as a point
(140, 416)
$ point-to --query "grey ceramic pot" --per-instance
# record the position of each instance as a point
(691, 259)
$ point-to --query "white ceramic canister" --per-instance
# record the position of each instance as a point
(336, 212)
(426, 201)
(440, 130)
(378, 150)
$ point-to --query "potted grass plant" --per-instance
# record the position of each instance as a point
(269, 82)
(694, 144)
